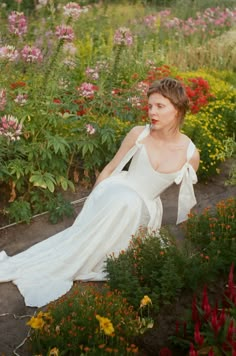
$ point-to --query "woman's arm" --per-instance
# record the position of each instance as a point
(128, 142)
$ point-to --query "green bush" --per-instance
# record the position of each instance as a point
(91, 320)
(66, 136)
(208, 326)
(155, 265)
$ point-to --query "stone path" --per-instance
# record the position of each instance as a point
(19, 237)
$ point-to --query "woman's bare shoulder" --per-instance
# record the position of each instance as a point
(136, 131)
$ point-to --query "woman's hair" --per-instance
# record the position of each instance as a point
(173, 90)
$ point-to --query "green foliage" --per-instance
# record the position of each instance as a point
(213, 232)
(151, 265)
(156, 266)
(19, 211)
(208, 326)
(55, 144)
(92, 320)
(58, 208)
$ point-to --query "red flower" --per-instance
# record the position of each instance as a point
(199, 339)
(205, 304)
(192, 351)
(165, 352)
(230, 292)
(17, 85)
(211, 352)
(57, 101)
(198, 92)
(214, 321)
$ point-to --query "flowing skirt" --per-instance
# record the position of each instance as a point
(111, 215)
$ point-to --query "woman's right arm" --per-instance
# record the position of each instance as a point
(128, 142)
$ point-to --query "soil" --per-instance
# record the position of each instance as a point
(16, 238)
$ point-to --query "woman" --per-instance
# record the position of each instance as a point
(119, 204)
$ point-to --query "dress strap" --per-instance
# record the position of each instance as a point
(186, 201)
(131, 151)
(190, 150)
(143, 134)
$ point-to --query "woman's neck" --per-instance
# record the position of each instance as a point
(166, 135)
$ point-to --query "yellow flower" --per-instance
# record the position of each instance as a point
(36, 322)
(105, 325)
(54, 352)
(145, 301)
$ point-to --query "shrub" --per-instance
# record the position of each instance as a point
(213, 233)
(209, 328)
(89, 320)
(157, 266)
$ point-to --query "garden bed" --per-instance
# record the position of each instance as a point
(21, 236)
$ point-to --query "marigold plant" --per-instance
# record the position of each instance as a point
(89, 319)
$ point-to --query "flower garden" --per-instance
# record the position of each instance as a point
(73, 82)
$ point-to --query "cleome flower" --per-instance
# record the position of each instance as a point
(90, 129)
(123, 36)
(73, 10)
(17, 23)
(65, 33)
(10, 127)
(105, 325)
(87, 90)
(31, 54)
(9, 53)
(3, 99)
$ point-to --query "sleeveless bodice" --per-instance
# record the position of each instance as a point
(149, 183)
(143, 178)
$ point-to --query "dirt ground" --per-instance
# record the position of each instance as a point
(14, 314)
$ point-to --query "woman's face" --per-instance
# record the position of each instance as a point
(162, 113)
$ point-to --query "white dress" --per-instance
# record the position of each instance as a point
(114, 211)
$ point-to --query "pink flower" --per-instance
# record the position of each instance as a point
(90, 129)
(9, 53)
(92, 73)
(21, 99)
(3, 99)
(70, 63)
(87, 90)
(135, 101)
(65, 33)
(10, 127)
(73, 10)
(69, 49)
(17, 23)
(123, 36)
(150, 20)
(31, 54)
(142, 87)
